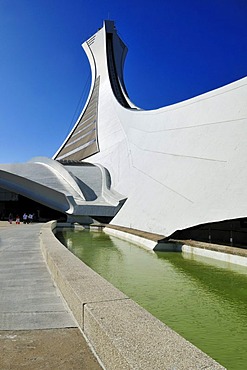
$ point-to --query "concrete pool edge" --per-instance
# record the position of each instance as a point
(122, 334)
(223, 253)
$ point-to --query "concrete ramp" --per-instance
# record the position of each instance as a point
(28, 296)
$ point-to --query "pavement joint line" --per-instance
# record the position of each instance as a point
(106, 300)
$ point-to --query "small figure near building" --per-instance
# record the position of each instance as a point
(10, 218)
(24, 217)
(30, 218)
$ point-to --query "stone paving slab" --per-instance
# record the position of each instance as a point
(34, 320)
(20, 305)
(53, 349)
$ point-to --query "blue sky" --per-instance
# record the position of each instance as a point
(177, 49)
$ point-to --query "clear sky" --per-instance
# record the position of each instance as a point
(177, 49)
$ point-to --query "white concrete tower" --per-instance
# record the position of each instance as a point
(178, 166)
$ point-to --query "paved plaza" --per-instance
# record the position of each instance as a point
(37, 330)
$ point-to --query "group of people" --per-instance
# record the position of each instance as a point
(26, 218)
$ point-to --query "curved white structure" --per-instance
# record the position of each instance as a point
(80, 190)
(178, 166)
(181, 167)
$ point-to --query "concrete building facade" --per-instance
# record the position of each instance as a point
(177, 169)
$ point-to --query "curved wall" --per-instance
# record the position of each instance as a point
(178, 166)
(122, 334)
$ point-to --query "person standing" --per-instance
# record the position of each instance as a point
(10, 218)
(30, 218)
(24, 217)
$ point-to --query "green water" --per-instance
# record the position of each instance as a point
(202, 299)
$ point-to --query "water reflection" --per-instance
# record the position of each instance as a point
(203, 300)
(213, 276)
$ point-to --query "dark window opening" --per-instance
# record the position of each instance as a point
(229, 232)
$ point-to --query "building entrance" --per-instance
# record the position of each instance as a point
(18, 205)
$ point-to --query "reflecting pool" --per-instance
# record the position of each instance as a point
(202, 299)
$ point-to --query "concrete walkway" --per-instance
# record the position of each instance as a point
(37, 330)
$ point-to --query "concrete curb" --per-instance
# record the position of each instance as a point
(231, 255)
(136, 239)
(122, 334)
